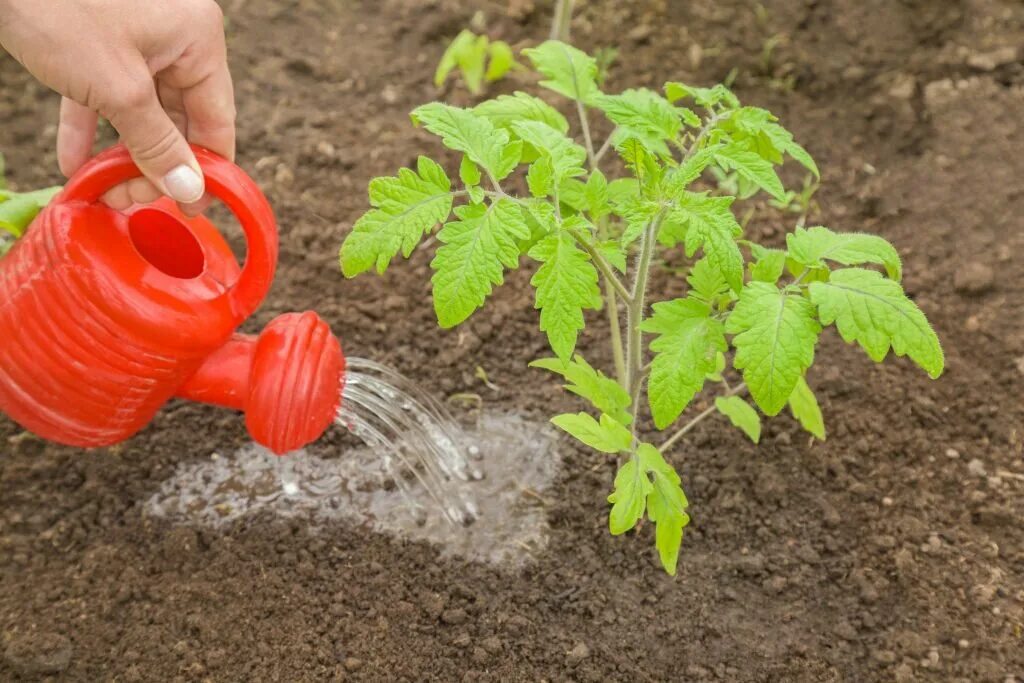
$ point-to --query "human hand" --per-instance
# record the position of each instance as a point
(157, 71)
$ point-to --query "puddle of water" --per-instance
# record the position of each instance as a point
(515, 460)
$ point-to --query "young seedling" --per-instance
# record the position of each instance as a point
(17, 209)
(757, 309)
(479, 59)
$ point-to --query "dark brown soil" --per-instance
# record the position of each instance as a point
(893, 551)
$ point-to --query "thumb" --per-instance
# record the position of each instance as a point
(155, 143)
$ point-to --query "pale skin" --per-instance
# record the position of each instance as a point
(155, 69)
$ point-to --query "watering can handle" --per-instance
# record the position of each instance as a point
(224, 180)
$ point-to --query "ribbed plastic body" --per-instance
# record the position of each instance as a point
(103, 316)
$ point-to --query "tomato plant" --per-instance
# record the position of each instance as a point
(594, 238)
(17, 209)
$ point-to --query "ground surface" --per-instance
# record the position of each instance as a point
(893, 551)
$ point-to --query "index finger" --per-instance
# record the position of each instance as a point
(210, 111)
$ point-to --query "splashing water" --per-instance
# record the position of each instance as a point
(417, 438)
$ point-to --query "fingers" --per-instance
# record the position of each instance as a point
(210, 110)
(157, 146)
(76, 132)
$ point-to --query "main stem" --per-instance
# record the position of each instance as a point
(562, 21)
(635, 315)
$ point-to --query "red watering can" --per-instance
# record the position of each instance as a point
(104, 316)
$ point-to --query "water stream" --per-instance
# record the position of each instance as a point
(478, 492)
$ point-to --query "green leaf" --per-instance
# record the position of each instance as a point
(629, 499)
(469, 133)
(469, 173)
(452, 55)
(19, 209)
(643, 114)
(573, 194)
(741, 414)
(776, 332)
(569, 71)
(783, 141)
(613, 253)
(566, 284)
(608, 436)
(813, 246)
(541, 177)
(711, 226)
(751, 167)
(504, 110)
(691, 169)
(874, 312)
(641, 163)
(567, 158)
(622, 190)
(666, 505)
(476, 248)
(638, 213)
(769, 266)
(406, 207)
(502, 61)
(706, 282)
(685, 353)
(596, 195)
(705, 97)
(804, 407)
(604, 393)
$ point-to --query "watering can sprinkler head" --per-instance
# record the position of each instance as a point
(105, 316)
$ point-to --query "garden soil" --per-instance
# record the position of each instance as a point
(892, 551)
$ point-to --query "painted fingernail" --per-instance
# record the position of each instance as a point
(184, 185)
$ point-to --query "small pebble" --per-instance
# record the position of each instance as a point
(973, 279)
(577, 654)
(976, 467)
(887, 502)
(952, 453)
(353, 664)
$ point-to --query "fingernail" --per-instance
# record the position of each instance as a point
(184, 185)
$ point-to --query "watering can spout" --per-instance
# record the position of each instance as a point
(287, 380)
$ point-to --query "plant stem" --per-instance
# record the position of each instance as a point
(688, 427)
(604, 148)
(635, 314)
(587, 140)
(602, 264)
(612, 305)
(562, 21)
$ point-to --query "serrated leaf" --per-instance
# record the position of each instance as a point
(685, 353)
(566, 284)
(501, 60)
(541, 177)
(643, 114)
(504, 110)
(569, 71)
(406, 207)
(476, 248)
(873, 311)
(769, 266)
(469, 133)
(629, 499)
(567, 158)
(596, 195)
(752, 168)
(622, 190)
(572, 193)
(469, 173)
(603, 392)
(666, 505)
(607, 436)
(678, 180)
(812, 247)
(711, 226)
(613, 253)
(638, 213)
(782, 139)
(706, 281)
(641, 162)
(805, 409)
(776, 332)
(705, 97)
(741, 414)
